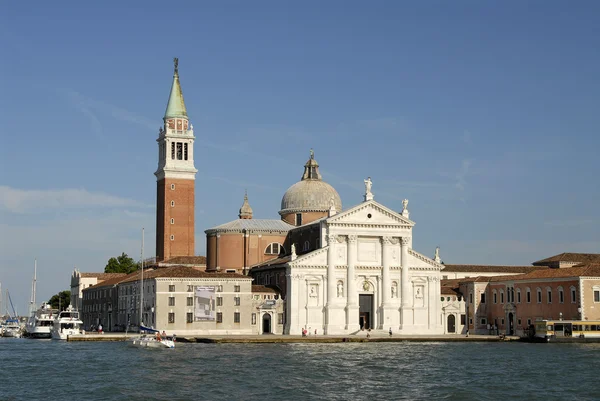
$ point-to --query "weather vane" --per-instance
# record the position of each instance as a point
(176, 62)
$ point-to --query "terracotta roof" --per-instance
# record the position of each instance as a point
(186, 260)
(489, 279)
(182, 272)
(572, 257)
(264, 288)
(587, 270)
(491, 269)
(449, 291)
(112, 281)
(255, 225)
(103, 276)
(272, 262)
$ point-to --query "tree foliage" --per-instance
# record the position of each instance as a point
(121, 264)
(61, 300)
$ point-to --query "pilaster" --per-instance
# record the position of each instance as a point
(352, 318)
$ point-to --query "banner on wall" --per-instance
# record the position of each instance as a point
(204, 303)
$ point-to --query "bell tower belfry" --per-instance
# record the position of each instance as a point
(175, 179)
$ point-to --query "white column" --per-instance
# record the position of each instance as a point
(352, 323)
(331, 290)
(405, 284)
(385, 272)
(292, 301)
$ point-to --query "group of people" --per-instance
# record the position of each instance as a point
(305, 332)
(492, 329)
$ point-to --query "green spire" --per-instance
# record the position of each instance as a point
(176, 105)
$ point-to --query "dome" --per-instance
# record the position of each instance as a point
(311, 193)
(245, 210)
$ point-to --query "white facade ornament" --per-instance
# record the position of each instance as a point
(405, 208)
(366, 286)
(332, 210)
(313, 291)
(437, 254)
(340, 289)
(368, 193)
(293, 255)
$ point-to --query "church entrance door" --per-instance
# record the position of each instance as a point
(365, 303)
(451, 324)
(266, 324)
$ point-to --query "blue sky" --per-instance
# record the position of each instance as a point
(482, 114)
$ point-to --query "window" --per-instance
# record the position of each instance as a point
(219, 317)
(463, 319)
(172, 187)
(573, 295)
(172, 203)
(189, 317)
(254, 318)
(596, 295)
(185, 151)
(236, 301)
(280, 318)
(482, 297)
(274, 249)
(501, 296)
(528, 295)
(549, 292)
(172, 221)
(179, 151)
(173, 150)
(539, 296)
(171, 301)
(171, 317)
(483, 320)
(502, 322)
(298, 219)
(519, 322)
(172, 237)
(219, 288)
(528, 322)
(219, 301)
(190, 288)
(190, 301)
(470, 297)
(444, 277)
(171, 287)
(236, 317)
(561, 295)
(495, 297)
(306, 246)
(518, 295)
(236, 288)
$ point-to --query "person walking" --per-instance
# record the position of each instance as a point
(390, 331)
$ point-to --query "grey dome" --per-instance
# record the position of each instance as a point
(311, 193)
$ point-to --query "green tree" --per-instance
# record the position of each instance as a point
(61, 300)
(121, 264)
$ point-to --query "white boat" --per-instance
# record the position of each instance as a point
(149, 337)
(67, 323)
(12, 328)
(41, 322)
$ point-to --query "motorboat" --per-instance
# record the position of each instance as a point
(41, 322)
(66, 324)
(12, 328)
(151, 338)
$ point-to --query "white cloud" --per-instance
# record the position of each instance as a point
(34, 200)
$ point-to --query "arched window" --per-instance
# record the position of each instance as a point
(561, 295)
(518, 295)
(549, 292)
(528, 295)
(501, 296)
(306, 246)
(274, 248)
(539, 295)
(573, 295)
(495, 296)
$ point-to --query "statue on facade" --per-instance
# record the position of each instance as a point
(393, 291)
(312, 153)
(437, 254)
(340, 289)
(293, 249)
(368, 185)
(405, 204)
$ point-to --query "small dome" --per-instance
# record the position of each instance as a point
(311, 193)
(245, 210)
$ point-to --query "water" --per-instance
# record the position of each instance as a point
(56, 370)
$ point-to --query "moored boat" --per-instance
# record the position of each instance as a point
(67, 323)
(41, 322)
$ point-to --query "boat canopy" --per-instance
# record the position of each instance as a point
(148, 329)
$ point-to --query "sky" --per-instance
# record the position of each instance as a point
(483, 114)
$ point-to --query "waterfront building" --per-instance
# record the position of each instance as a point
(185, 301)
(175, 179)
(81, 281)
(514, 303)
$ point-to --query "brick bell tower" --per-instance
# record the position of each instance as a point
(175, 179)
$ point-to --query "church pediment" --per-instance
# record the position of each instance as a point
(314, 258)
(370, 213)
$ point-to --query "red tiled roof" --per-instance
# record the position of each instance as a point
(449, 291)
(490, 269)
(103, 276)
(186, 260)
(112, 281)
(587, 270)
(263, 288)
(572, 257)
(182, 272)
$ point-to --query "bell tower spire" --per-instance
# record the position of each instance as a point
(175, 178)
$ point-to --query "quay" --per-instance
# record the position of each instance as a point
(275, 339)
